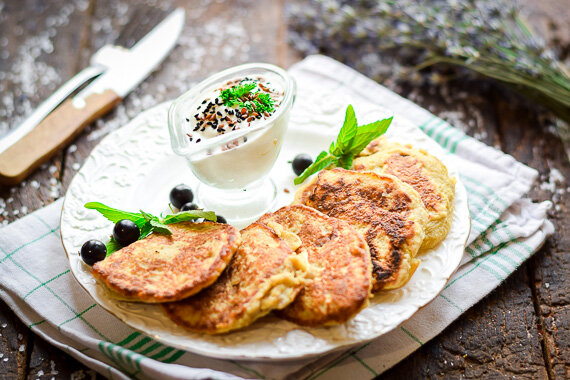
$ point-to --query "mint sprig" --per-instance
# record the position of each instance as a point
(147, 223)
(243, 95)
(351, 140)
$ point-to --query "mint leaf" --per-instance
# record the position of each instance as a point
(322, 161)
(159, 227)
(346, 161)
(112, 246)
(346, 133)
(148, 217)
(189, 215)
(350, 141)
(146, 230)
(368, 132)
(115, 215)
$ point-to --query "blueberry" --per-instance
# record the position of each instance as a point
(221, 219)
(93, 251)
(301, 162)
(126, 232)
(189, 207)
(180, 195)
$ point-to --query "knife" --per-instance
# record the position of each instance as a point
(62, 125)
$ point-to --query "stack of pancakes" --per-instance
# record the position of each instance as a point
(348, 234)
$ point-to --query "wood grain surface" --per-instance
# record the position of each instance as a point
(520, 330)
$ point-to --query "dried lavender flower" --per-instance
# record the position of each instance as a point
(484, 36)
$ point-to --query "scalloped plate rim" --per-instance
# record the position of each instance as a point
(286, 357)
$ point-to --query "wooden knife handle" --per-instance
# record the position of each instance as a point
(57, 130)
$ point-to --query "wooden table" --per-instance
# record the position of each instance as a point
(521, 329)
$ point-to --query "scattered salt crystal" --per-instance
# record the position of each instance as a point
(547, 285)
(1, 355)
(40, 373)
(5, 359)
(52, 366)
(554, 178)
(4, 325)
(454, 118)
(35, 184)
(52, 169)
(20, 337)
(75, 166)
(22, 347)
(24, 210)
(556, 175)
(10, 200)
(72, 148)
(16, 212)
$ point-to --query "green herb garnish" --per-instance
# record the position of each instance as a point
(147, 223)
(243, 96)
(352, 138)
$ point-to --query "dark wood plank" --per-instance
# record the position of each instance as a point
(532, 139)
(39, 42)
(47, 362)
(496, 339)
(538, 145)
(14, 344)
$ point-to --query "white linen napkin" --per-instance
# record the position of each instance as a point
(35, 280)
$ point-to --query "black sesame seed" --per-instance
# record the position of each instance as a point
(187, 119)
(204, 101)
(198, 140)
(219, 113)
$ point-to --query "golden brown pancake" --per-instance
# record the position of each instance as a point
(425, 173)
(340, 265)
(388, 213)
(264, 275)
(164, 268)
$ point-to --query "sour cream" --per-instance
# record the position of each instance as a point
(204, 121)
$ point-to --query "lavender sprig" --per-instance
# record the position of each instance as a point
(484, 36)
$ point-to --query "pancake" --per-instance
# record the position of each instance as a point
(425, 173)
(388, 213)
(264, 275)
(163, 268)
(340, 265)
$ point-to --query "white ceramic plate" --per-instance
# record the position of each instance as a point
(134, 168)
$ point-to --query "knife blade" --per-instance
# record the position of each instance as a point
(62, 125)
(142, 22)
(98, 64)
